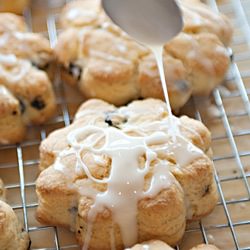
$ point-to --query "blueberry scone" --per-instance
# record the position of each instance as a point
(159, 245)
(12, 237)
(15, 6)
(26, 93)
(106, 63)
(119, 176)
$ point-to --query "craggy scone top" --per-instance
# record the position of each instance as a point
(26, 94)
(134, 167)
(106, 63)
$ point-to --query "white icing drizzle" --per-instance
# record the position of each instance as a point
(125, 184)
(13, 69)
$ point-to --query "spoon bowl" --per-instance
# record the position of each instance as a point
(152, 22)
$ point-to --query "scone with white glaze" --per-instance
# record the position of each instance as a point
(119, 176)
(104, 62)
(27, 96)
(15, 6)
(160, 245)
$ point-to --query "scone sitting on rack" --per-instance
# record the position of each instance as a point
(26, 93)
(105, 63)
(15, 6)
(160, 245)
(12, 237)
(129, 174)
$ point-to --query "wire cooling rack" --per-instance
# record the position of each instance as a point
(228, 118)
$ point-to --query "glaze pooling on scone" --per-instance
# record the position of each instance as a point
(124, 166)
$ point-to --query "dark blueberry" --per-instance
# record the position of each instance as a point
(207, 190)
(22, 106)
(14, 112)
(75, 71)
(182, 85)
(41, 67)
(73, 210)
(29, 245)
(231, 54)
(44, 67)
(111, 121)
(108, 121)
(81, 227)
(38, 103)
(79, 231)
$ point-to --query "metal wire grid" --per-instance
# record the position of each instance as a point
(241, 19)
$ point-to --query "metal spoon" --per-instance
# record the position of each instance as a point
(151, 22)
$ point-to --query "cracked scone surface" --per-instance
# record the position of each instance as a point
(26, 92)
(94, 52)
(65, 191)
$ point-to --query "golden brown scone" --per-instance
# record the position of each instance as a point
(105, 63)
(2, 191)
(26, 91)
(190, 192)
(199, 18)
(12, 237)
(159, 245)
(204, 58)
(15, 6)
